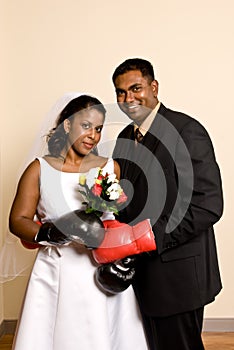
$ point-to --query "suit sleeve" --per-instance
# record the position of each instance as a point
(199, 202)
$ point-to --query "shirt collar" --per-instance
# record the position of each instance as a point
(148, 121)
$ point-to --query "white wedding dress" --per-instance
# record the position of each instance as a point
(63, 308)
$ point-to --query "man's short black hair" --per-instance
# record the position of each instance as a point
(145, 67)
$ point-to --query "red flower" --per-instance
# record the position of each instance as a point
(97, 189)
(122, 198)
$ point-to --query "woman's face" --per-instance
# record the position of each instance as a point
(85, 130)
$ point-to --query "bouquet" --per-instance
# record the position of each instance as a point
(102, 192)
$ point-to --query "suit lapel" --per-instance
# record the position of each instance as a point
(153, 135)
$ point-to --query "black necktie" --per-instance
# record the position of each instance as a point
(138, 135)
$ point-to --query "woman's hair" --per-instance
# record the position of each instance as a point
(57, 138)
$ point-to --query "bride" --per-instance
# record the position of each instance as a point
(63, 306)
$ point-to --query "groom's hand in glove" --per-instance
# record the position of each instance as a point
(76, 226)
(123, 240)
(117, 276)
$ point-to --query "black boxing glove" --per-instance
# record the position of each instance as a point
(77, 226)
(49, 234)
(117, 276)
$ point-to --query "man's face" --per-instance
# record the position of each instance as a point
(136, 96)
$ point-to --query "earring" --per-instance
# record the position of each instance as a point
(66, 132)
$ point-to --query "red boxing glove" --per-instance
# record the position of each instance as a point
(122, 240)
(29, 245)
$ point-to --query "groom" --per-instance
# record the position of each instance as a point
(169, 160)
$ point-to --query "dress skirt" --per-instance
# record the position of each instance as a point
(64, 309)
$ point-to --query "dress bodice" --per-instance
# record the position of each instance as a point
(59, 191)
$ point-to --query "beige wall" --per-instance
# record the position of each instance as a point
(54, 46)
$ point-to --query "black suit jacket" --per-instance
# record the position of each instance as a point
(173, 179)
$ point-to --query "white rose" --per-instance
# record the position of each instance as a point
(113, 191)
(111, 178)
(114, 195)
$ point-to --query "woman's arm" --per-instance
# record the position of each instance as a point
(117, 169)
(25, 203)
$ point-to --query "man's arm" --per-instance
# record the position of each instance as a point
(205, 206)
